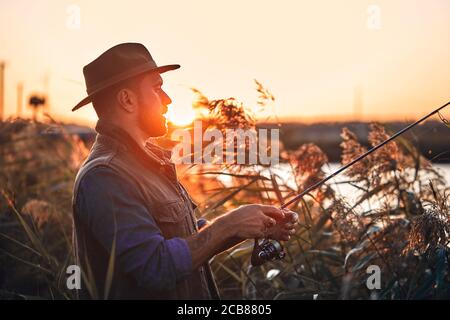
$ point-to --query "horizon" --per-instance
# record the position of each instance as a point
(281, 120)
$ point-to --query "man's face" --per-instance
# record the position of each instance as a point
(153, 103)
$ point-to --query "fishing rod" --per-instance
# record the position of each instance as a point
(270, 250)
(373, 149)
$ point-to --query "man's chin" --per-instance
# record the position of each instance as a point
(162, 132)
(157, 130)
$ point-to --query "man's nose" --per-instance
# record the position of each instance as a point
(166, 99)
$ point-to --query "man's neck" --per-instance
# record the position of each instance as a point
(139, 136)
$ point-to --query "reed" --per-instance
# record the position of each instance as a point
(400, 220)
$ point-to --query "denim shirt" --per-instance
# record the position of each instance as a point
(108, 205)
(112, 215)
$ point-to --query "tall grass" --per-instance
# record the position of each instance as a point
(400, 220)
(38, 166)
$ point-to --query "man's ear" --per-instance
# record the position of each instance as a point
(127, 100)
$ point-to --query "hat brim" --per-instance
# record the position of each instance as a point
(160, 69)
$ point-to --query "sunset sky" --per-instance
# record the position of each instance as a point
(321, 59)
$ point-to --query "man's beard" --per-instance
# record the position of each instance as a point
(154, 125)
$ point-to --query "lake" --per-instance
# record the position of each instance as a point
(351, 194)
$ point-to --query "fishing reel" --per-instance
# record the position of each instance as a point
(266, 250)
(269, 249)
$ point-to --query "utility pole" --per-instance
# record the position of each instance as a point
(46, 92)
(2, 89)
(19, 99)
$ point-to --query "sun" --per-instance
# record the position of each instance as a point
(180, 116)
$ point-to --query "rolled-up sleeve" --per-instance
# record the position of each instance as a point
(113, 210)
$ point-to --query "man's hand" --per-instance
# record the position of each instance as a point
(253, 221)
(226, 231)
(284, 228)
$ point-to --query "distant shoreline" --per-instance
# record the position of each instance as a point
(431, 138)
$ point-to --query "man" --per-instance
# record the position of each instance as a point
(136, 234)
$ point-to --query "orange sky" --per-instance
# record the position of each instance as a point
(313, 55)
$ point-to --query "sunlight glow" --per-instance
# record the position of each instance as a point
(181, 115)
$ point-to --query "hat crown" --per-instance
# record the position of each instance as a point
(121, 62)
(115, 61)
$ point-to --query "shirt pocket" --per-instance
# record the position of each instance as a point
(188, 197)
(172, 218)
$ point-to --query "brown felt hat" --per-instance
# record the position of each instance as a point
(121, 62)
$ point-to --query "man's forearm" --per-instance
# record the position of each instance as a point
(211, 240)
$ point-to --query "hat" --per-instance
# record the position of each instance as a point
(121, 62)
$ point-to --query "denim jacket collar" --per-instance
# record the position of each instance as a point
(157, 155)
